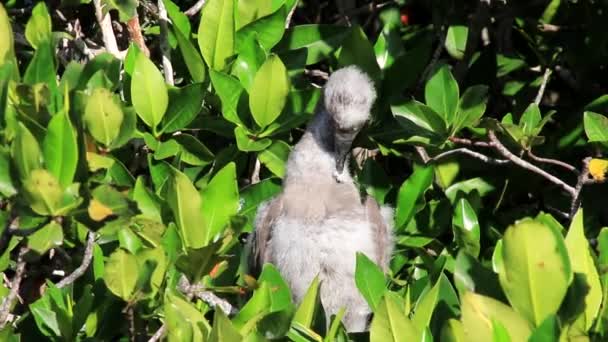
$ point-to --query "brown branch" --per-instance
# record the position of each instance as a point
(9, 300)
(526, 165)
(552, 161)
(107, 33)
(86, 261)
(423, 154)
(158, 334)
(164, 43)
(195, 8)
(469, 142)
(135, 34)
(543, 85)
(471, 153)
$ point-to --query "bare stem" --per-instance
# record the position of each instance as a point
(583, 178)
(9, 300)
(526, 165)
(164, 44)
(86, 261)
(158, 334)
(552, 161)
(195, 8)
(543, 86)
(107, 33)
(477, 155)
(135, 34)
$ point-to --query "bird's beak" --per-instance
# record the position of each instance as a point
(343, 143)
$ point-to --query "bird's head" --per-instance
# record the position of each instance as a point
(348, 98)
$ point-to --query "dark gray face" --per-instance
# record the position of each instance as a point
(343, 140)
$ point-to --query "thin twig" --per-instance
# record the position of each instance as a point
(195, 8)
(469, 142)
(164, 43)
(290, 14)
(158, 334)
(543, 85)
(552, 161)
(526, 165)
(423, 154)
(107, 33)
(8, 301)
(477, 155)
(583, 178)
(86, 261)
(135, 34)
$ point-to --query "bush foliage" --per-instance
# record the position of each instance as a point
(138, 138)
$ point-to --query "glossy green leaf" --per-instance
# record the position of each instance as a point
(596, 127)
(229, 90)
(7, 50)
(534, 277)
(499, 332)
(184, 321)
(47, 237)
(184, 105)
(120, 273)
(269, 91)
(582, 261)
(126, 8)
(471, 107)
(268, 30)
(192, 58)
(103, 115)
(388, 47)
(309, 305)
(185, 203)
(466, 227)
(42, 192)
(370, 280)
(41, 68)
(216, 32)
(530, 119)
(410, 192)
(179, 19)
(60, 149)
(471, 275)
(220, 200)
(425, 306)
(456, 40)
(441, 94)
(251, 57)
(452, 331)
(25, 152)
(148, 92)
(478, 312)
(390, 322)
(223, 330)
(275, 157)
(426, 120)
(548, 330)
(252, 10)
(7, 187)
(317, 41)
(357, 50)
(38, 28)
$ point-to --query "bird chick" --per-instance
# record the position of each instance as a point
(319, 221)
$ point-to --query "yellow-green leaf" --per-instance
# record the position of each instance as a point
(120, 273)
(269, 91)
(42, 192)
(390, 322)
(103, 116)
(38, 27)
(7, 52)
(25, 152)
(185, 203)
(216, 32)
(60, 149)
(148, 91)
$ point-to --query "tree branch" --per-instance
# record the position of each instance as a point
(164, 44)
(135, 34)
(526, 165)
(552, 161)
(86, 261)
(8, 301)
(107, 33)
(195, 8)
(543, 85)
(477, 155)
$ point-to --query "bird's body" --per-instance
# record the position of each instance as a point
(318, 223)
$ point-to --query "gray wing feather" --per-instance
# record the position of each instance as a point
(266, 215)
(383, 236)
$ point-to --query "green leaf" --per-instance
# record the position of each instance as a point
(596, 127)
(388, 47)
(179, 20)
(60, 149)
(357, 50)
(229, 90)
(422, 116)
(499, 332)
(471, 275)
(374, 180)
(184, 321)
(216, 32)
(103, 115)
(530, 119)
(148, 91)
(126, 8)
(223, 330)
(197, 263)
(42, 192)
(269, 91)
(534, 276)
(41, 68)
(275, 157)
(582, 261)
(466, 227)
(452, 331)
(120, 273)
(47, 237)
(316, 41)
(478, 312)
(7, 188)
(251, 57)
(441, 94)
(25, 152)
(184, 105)
(127, 129)
(192, 58)
(471, 107)
(309, 305)
(7, 50)
(220, 200)
(38, 27)
(426, 305)
(548, 330)
(390, 322)
(456, 40)
(252, 10)
(185, 203)
(410, 192)
(370, 280)
(280, 295)
(189, 150)
(268, 30)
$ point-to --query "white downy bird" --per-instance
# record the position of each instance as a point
(319, 221)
